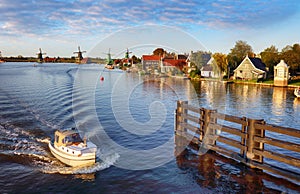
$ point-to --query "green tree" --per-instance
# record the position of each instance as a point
(270, 56)
(199, 58)
(291, 55)
(159, 52)
(221, 62)
(238, 53)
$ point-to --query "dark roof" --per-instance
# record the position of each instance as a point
(258, 63)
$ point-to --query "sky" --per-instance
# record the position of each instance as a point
(97, 26)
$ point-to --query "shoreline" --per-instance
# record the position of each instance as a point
(244, 83)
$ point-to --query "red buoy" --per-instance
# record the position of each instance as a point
(101, 78)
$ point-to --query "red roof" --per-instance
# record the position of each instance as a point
(174, 62)
(150, 58)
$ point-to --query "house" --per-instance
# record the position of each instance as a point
(168, 65)
(210, 69)
(151, 62)
(251, 68)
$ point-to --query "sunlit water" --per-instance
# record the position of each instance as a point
(35, 101)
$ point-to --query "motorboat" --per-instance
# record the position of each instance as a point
(109, 66)
(297, 92)
(71, 149)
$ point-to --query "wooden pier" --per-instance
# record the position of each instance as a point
(249, 141)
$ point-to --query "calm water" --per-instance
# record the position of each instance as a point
(131, 119)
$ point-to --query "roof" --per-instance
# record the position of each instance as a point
(281, 64)
(173, 62)
(180, 56)
(150, 58)
(258, 63)
(66, 132)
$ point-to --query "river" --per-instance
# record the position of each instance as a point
(131, 120)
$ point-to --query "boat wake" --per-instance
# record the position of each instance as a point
(23, 147)
(98, 166)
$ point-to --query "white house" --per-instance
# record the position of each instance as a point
(251, 68)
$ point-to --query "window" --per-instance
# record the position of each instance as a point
(56, 138)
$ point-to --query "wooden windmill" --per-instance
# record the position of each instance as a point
(40, 56)
(127, 59)
(79, 55)
(109, 60)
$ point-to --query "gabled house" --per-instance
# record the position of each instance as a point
(251, 68)
(151, 62)
(210, 69)
(169, 65)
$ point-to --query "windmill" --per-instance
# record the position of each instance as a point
(40, 56)
(127, 59)
(109, 60)
(79, 55)
(1, 61)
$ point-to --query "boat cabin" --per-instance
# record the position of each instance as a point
(67, 138)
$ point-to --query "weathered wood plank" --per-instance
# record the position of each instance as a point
(190, 118)
(231, 142)
(228, 129)
(279, 143)
(278, 129)
(279, 157)
(191, 108)
(230, 118)
(191, 128)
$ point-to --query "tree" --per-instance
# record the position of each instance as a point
(135, 60)
(159, 52)
(270, 57)
(199, 58)
(221, 62)
(291, 55)
(238, 53)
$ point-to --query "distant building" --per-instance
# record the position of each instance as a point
(281, 74)
(169, 65)
(210, 69)
(251, 68)
(151, 62)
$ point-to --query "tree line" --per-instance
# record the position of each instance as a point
(270, 56)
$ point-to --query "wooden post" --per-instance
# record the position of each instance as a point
(179, 118)
(243, 140)
(209, 129)
(251, 144)
(202, 124)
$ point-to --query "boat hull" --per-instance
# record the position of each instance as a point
(74, 161)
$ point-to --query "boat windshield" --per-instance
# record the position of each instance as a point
(75, 137)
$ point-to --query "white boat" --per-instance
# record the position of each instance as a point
(297, 92)
(69, 148)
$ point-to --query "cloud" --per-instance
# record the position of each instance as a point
(87, 17)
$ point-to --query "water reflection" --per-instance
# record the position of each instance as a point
(224, 175)
(279, 100)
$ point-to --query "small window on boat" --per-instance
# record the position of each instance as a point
(56, 138)
(73, 152)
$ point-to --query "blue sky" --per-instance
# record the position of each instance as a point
(58, 26)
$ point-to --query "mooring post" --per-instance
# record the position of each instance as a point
(210, 131)
(252, 145)
(202, 124)
(243, 139)
(181, 110)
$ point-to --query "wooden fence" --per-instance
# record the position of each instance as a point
(241, 138)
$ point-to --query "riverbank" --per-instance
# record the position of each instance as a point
(268, 83)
